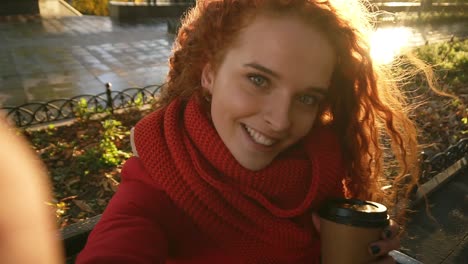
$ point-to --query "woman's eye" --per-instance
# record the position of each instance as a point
(258, 80)
(307, 99)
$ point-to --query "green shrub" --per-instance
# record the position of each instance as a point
(450, 60)
(113, 131)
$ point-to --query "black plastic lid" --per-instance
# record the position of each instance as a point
(355, 212)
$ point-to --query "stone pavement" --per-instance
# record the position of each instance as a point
(48, 58)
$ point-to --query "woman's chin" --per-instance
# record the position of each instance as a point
(254, 165)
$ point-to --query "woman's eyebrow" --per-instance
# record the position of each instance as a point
(315, 89)
(262, 69)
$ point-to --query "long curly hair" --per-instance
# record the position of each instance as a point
(364, 106)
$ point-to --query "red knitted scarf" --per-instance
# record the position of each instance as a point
(256, 210)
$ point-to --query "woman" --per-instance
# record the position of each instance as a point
(271, 107)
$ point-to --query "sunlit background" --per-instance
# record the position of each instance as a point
(387, 43)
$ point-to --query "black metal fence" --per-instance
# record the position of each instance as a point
(40, 113)
(439, 162)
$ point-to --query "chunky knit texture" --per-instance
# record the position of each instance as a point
(258, 217)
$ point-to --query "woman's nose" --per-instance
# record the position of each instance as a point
(277, 113)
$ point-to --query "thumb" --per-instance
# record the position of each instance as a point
(316, 221)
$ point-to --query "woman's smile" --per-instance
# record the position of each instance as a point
(263, 104)
(261, 141)
(259, 138)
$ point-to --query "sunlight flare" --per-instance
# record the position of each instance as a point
(387, 43)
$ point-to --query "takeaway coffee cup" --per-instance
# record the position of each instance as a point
(347, 227)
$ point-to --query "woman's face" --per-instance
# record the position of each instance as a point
(266, 92)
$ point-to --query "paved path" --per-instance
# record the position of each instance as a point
(43, 59)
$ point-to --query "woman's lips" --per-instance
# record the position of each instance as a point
(259, 138)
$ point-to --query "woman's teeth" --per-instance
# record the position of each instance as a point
(259, 138)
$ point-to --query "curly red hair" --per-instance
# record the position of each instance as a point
(363, 106)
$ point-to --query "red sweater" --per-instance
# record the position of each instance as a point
(186, 199)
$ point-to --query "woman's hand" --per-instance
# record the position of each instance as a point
(390, 241)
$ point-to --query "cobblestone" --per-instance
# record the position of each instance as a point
(48, 58)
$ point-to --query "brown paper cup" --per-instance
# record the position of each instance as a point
(347, 227)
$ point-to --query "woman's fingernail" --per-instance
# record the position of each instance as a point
(375, 249)
(388, 233)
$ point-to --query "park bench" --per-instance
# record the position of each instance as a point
(445, 184)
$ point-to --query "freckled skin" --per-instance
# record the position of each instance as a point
(271, 80)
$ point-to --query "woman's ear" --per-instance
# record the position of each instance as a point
(207, 78)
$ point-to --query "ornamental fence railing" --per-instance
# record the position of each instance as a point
(438, 169)
(43, 113)
(442, 160)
